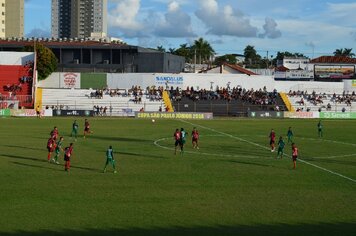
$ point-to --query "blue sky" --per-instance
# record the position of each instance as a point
(312, 27)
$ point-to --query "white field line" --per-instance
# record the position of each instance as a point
(258, 145)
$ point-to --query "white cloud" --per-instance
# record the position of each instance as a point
(176, 23)
(270, 29)
(124, 16)
(227, 21)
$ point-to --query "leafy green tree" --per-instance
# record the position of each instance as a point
(46, 61)
(346, 52)
(228, 58)
(252, 59)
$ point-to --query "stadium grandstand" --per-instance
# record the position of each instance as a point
(16, 79)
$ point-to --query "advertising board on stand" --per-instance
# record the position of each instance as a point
(338, 115)
(265, 114)
(174, 115)
(301, 115)
(5, 112)
(73, 112)
(29, 112)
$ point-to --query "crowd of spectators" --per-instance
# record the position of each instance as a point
(153, 93)
(319, 99)
(260, 97)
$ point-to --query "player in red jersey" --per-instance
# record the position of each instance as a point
(67, 155)
(272, 137)
(195, 137)
(51, 145)
(177, 138)
(294, 155)
(54, 133)
(86, 128)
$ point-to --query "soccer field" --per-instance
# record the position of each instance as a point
(232, 185)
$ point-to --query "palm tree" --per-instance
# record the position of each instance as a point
(185, 51)
(345, 52)
(203, 50)
(161, 48)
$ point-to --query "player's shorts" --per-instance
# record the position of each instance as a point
(280, 150)
(182, 142)
(194, 140)
(177, 143)
(49, 149)
(38, 112)
(271, 142)
(66, 158)
(57, 151)
(294, 158)
(86, 129)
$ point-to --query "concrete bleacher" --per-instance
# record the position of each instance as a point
(325, 98)
(80, 99)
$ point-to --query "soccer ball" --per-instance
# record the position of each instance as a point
(153, 121)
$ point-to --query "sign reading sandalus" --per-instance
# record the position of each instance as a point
(174, 115)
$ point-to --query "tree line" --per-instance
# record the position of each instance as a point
(201, 52)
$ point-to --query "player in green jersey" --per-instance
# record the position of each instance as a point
(281, 145)
(58, 150)
(320, 129)
(110, 159)
(290, 135)
(74, 132)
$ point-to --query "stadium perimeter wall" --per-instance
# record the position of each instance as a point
(198, 81)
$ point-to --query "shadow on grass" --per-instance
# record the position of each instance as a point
(22, 147)
(36, 166)
(139, 155)
(344, 229)
(248, 163)
(120, 153)
(118, 139)
(45, 161)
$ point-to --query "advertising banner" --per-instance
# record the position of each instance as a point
(354, 83)
(301, 115)
(334, 72)
(174, 115)
(30, 112)
(338, 115)
(69, 80)
(169, 80)
(11, 104)
(73, 112)
(4, 112)
(265, 114)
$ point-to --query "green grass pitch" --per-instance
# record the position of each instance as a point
(232, 185)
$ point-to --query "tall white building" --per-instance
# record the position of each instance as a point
(11, 18)
(2, 18)
(79, 18)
